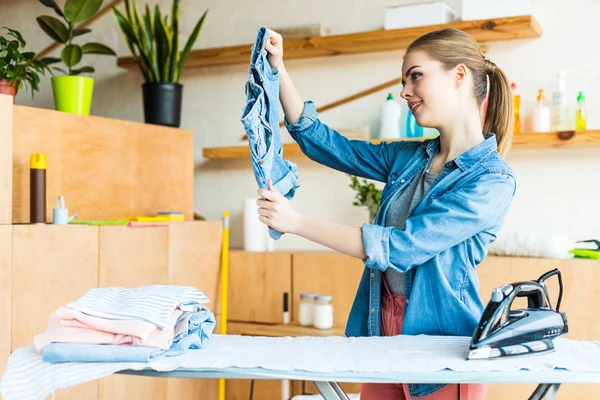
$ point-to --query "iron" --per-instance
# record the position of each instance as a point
(504, 332)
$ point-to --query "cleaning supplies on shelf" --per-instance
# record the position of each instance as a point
(516, 108)
(390, 119)
(60, 214)
(541, 114)
(559, 105)
(581, 113)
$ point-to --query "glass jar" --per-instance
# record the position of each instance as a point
(306, 309)
(323, 315)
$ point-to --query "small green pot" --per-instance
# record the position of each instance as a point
(73, 94)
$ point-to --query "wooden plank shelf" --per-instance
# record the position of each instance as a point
(520, 27)
(526, 140)
(293, 330)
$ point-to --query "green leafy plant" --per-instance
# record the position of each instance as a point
(367, 195)
(18, 65)
(75, 12)
(154, 43)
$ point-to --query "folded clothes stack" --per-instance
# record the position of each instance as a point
(115, 324)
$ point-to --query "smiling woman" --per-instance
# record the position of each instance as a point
(443, 202)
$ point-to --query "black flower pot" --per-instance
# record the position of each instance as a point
(162, 103)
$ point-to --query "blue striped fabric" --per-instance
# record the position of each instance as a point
(154, 303)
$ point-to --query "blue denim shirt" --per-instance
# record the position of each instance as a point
(445, 237)
(261, 121)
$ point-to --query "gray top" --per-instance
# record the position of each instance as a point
(398, 212)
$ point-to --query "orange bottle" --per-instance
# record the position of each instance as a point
(516, 108)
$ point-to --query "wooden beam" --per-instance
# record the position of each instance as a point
(87, 23)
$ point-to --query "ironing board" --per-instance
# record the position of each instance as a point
(323, 360)
(331, 390)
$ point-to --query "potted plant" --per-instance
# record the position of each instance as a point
(153, 41)
(72, 92)
(367, 195)
(18, 67)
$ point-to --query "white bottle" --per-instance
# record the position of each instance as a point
(390, 119)
(306, 309)
(541, 114)
(560, 111)
(323, 312)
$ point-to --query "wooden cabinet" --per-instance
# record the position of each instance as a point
(6, 128)
(581, 301)
(257, 282)
(327, 273)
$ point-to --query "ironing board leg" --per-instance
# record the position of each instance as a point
(545, 391)
(330, 390)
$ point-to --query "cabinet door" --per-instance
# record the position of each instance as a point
(52, 265)
(6, 244)
(257, 282)
(327, 273)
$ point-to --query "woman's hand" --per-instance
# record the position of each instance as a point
(275, 49)
(276, 211)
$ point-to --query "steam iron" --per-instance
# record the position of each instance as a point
(505, 332)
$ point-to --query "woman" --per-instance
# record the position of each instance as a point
(443, 202)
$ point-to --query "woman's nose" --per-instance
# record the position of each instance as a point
(405, 93)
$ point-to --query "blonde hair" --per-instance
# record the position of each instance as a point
(452, 47)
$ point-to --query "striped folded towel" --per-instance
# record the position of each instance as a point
(154, 303)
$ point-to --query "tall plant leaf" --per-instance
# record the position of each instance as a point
(53, 28)
(52, 4)
(81, 10)
(132, 43)
(71, 55)
(175, 41)
(97, 48)
(188, 46)
(162, 45)
(149, 23)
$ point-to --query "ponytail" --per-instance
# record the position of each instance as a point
(498, 114)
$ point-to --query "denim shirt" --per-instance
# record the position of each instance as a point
(444, 239)
(260, 118)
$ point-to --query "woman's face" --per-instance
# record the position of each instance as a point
(429, 89)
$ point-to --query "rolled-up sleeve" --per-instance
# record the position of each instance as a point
(449, 220)
(309, 116)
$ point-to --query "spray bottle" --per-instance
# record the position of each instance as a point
(581, 113)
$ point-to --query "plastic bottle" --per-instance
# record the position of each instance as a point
(581, 113)
(516, 108)
(412, 129)
(559, 105)
(541, 114)
(390, 119)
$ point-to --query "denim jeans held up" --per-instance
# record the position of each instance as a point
(261, 121)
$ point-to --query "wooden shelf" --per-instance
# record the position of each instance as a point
(253, 329)
(520, 27)
(526, 140)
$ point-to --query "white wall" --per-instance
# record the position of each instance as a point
(558, 190)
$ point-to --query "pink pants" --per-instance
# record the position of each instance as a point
(392, 317)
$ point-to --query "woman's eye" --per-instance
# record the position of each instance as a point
(415, 75)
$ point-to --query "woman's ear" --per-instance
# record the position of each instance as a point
(460, 74)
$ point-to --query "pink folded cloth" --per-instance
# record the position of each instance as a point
(71, 326)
